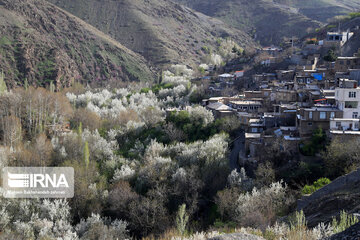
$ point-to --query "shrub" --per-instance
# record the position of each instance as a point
(95, 227)
(346, 221)
(316, 186)
(260, 207)
(316, 144)
(341, 156)
(354, 15)
(182, 219)
(331, 56)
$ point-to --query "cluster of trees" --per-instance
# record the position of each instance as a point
(145, 161)
(131, 162)
(342, 156)
(45, 219)
(321, 182)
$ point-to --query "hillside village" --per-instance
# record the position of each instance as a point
(179, 125)
(294, 102)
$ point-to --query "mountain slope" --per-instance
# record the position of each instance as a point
(41, 43)
(274, 19)
(162, 31)
(322, 10)
(270, 21)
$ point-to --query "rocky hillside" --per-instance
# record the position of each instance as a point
(162, 31)
(271, 20)
(342, 194)
(40, 43)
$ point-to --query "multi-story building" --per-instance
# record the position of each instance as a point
(310, 119)
(347, 100)
(246, 106)
(344, 64)
(337, 39)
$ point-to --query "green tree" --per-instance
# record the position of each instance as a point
(331, 56)
(86, 154)
(79, 130)
(201, 70)
(52, 87)
(26, 84)
(3, 87)
(317, 143)
(182, 219)
(321, 182)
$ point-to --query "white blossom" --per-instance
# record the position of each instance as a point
(124, 173)
(175, 92)
(181, 70)
(204, 66)
(322, 231)
(215, 59)
(179, 175)
(115, 229)
(37, 218)
(260, 199)
(201, 114)
(240, 179)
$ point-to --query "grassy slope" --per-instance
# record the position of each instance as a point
(162, 31)
(42, 43)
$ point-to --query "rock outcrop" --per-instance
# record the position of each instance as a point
(342, 194)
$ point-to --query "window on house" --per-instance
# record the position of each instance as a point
(355, 115)
(348, 62)
(332, 115)
(322, 115)
(352, 94)
(310, 115)
(351, 104)
(338, 124)
(310, 123)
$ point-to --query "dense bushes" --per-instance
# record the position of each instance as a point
(341, 156)
(309, 189)
(198, 123)
(317, 143)
(145, 162)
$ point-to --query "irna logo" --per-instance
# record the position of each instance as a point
(37, 180)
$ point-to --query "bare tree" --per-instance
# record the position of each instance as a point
(12, 131)
(174, 133)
